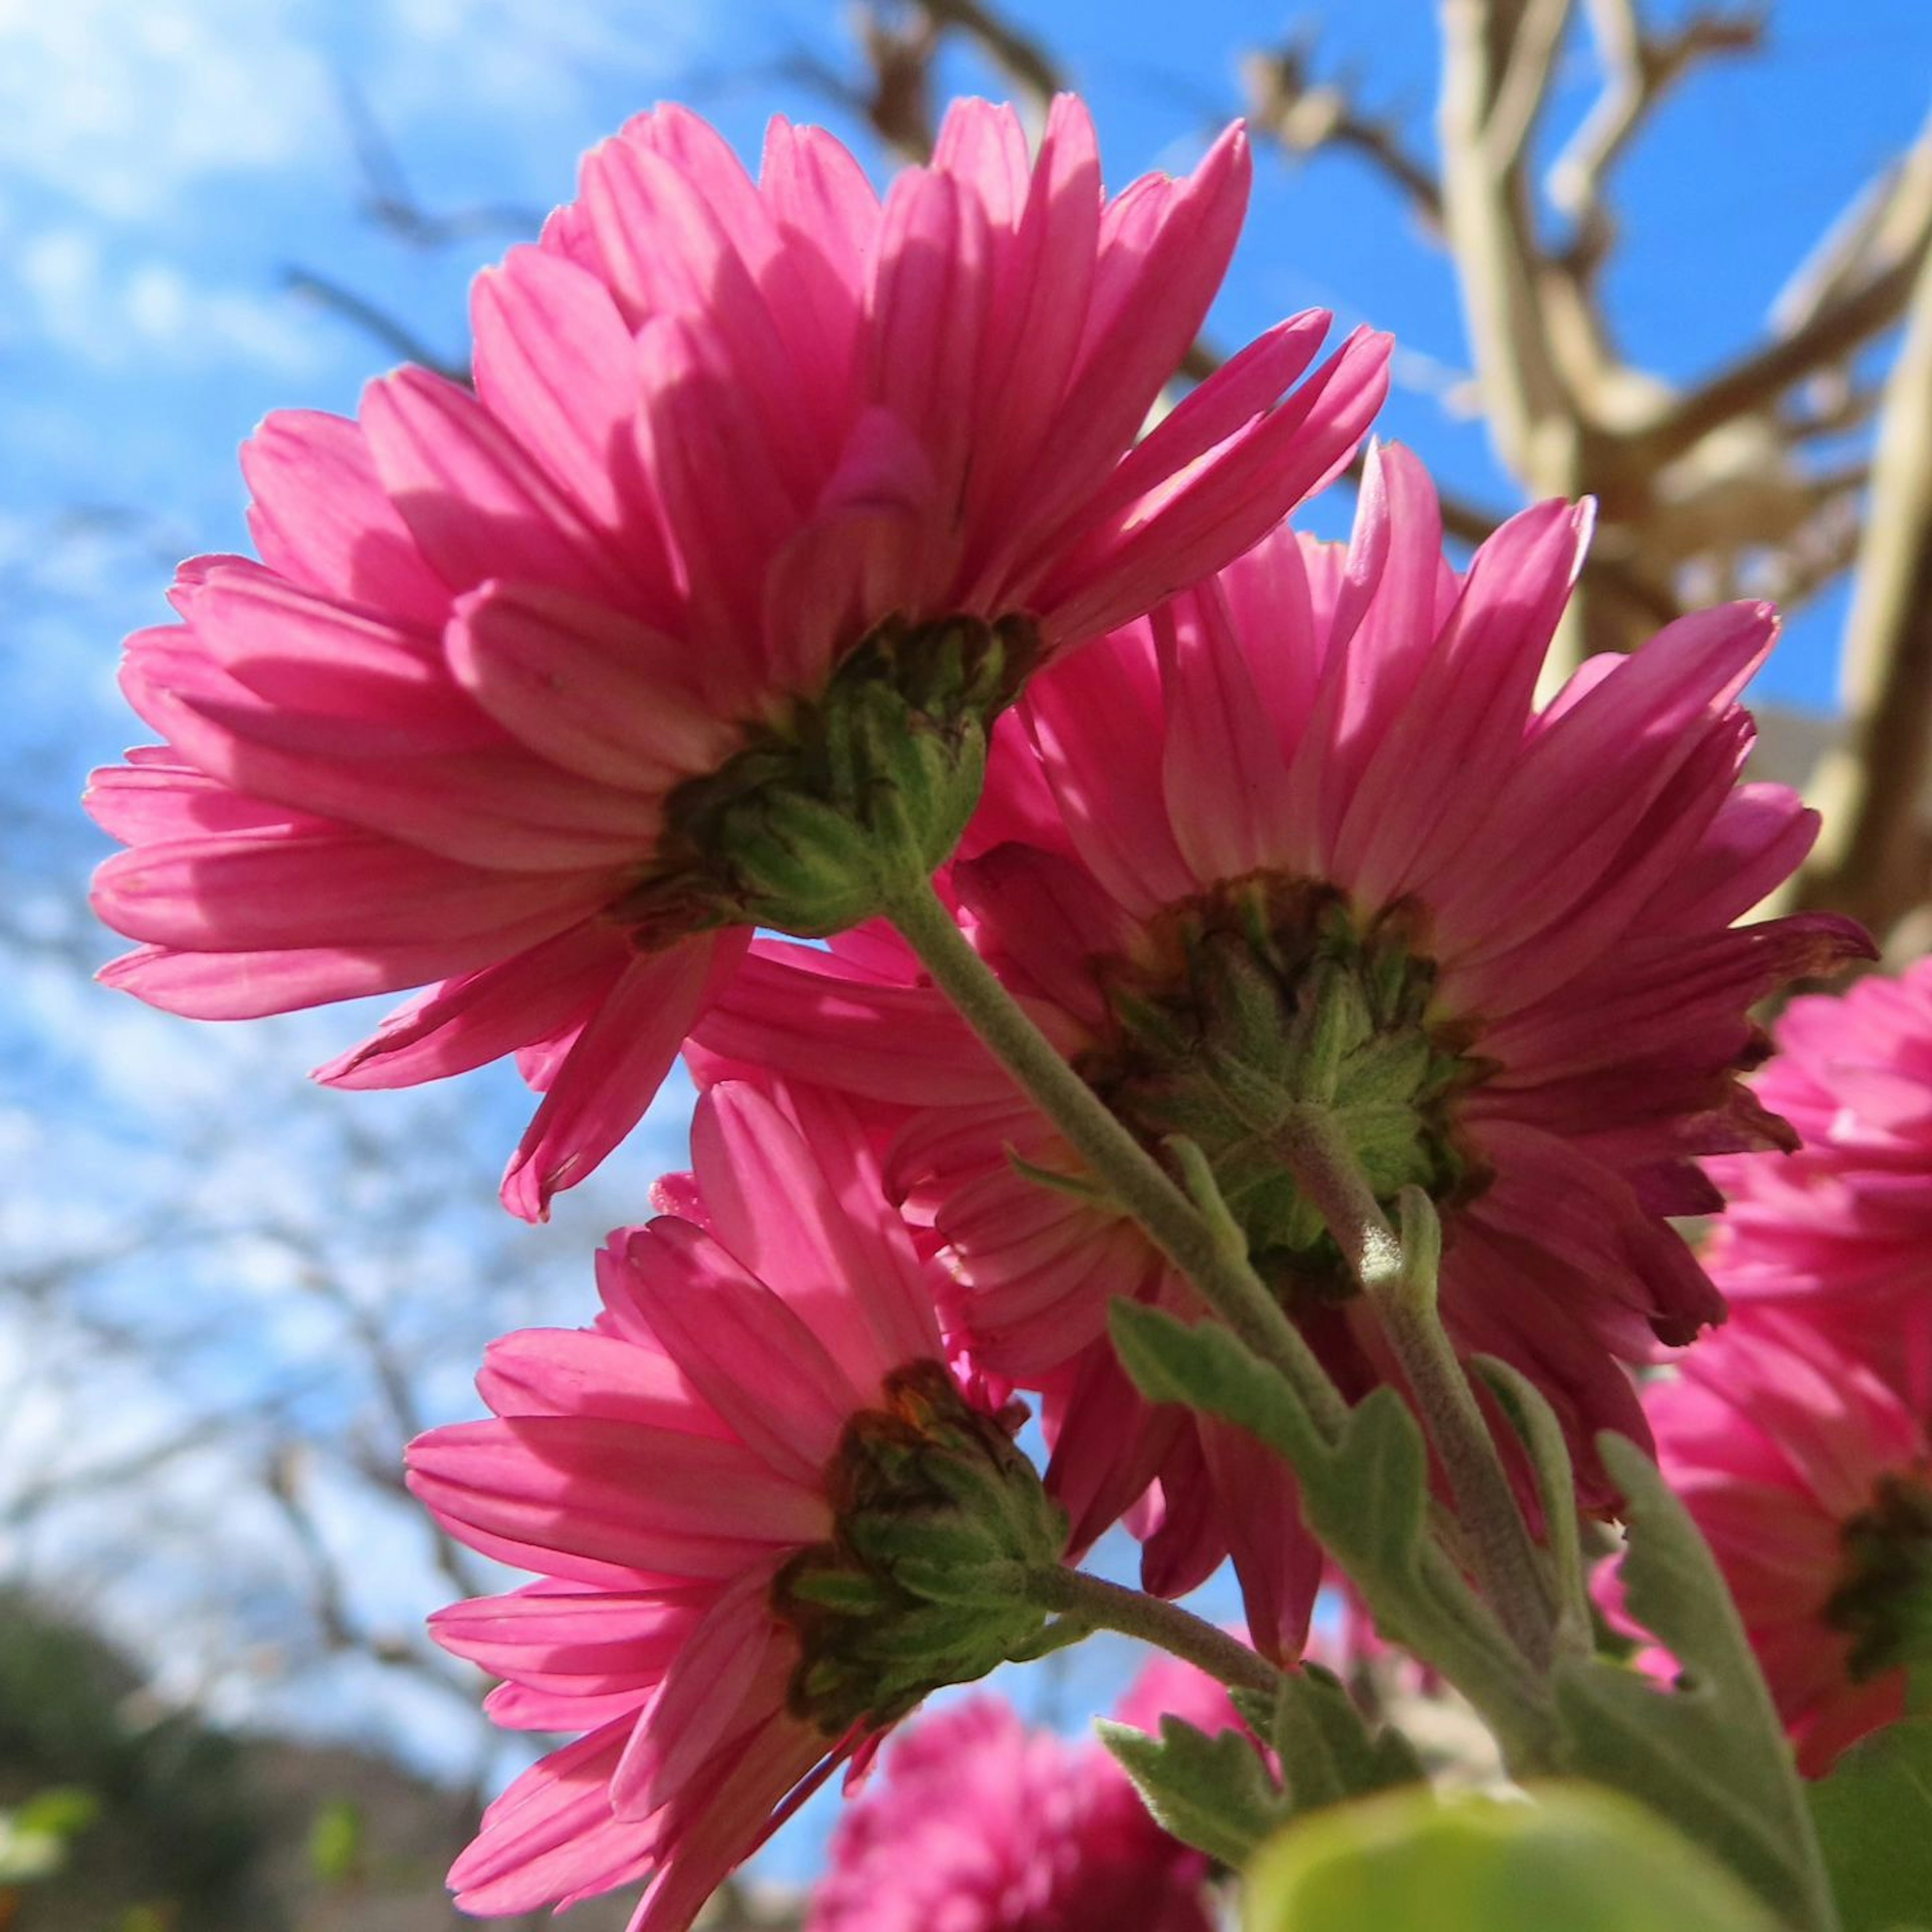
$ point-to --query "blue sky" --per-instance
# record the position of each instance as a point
(164, 167)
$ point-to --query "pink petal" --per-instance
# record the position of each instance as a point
(477, 505)
(757, 1361)
(847, 1266)
(337, 890)
(555, 365)
(614, 1068)
(320, 517)
(585, 687)
(477, 1017)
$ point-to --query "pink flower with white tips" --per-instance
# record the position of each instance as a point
(726, 1487)
(1839, 1231)
(548, 692)
(1302, 836)
(1812, 1482)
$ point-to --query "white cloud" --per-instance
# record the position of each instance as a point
(118, 106)
(117, 313)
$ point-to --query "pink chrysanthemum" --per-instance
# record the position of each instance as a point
(705, 1482)
(1303, 833)
(1812, 1484)
(503, 705)
(1840, 1230)
(977, 1823)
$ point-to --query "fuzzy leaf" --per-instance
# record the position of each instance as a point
(1366, 1498)
(1874, 1819)
(1578, 1859)
(1208, 1367)
(1371, 1498)
(1326, 1751)
(1213, 1793)
(1710, 1753)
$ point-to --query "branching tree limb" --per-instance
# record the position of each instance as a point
(1872, 860)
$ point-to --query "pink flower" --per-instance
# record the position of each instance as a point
(531, 693)
(717, 1485)
(978, 1824)
(1840, 1230)
(1812, 1484)
(1303, 835)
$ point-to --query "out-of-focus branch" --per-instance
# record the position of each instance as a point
(1640, 67)
(1498, 59)
(1023, 59)
(1862, 295)
(1873, 861)
(901, 40)
(389, 202)
(1287, 105)
(371, 319)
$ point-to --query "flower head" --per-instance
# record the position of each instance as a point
(1839, 1231)
(977, 1823)
(767, 498)
(1812, 1482)
(1302, 837)
(766, 1519)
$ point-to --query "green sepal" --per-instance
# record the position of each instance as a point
(1710, 1754)
(825, 810)
(1874, 1818)
(1213, 1793)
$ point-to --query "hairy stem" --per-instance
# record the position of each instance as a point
(1137, 1182)
(1097, 1604)
(1397, 1273)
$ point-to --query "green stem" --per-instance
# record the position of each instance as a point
(1398, 1277)
(1137, 1182)
(1099, 1605)
(1442, 1618)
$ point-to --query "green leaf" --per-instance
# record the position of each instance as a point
(335, 1841)
(1874, 1819)
(1575, 1860)
(1710, 1753)
(1327, 1750)
(63, 1811)
(1368, 1503)
(1366, 1498)
(1209, 1367)
(1213, 1793)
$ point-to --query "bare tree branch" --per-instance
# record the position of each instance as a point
(1497, 56)
(1639, 68)
(1859, 307)
(371, 319)
(1873, 862)
(1301, 114)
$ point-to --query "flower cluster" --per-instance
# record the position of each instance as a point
(977, 1823)
(766, 1517)
(1302, 836)
(797, 561)
(768, 497)
(1812, 1481)
(1839, 1232)
(1799, 1437)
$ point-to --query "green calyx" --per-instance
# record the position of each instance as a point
(1262, 998)
(1884, 1601)
(874, 778)
(942, 1526)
